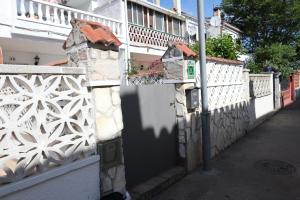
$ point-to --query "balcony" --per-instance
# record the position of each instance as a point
(146, 37)
(50, 20)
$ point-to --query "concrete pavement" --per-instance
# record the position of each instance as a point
(246, 170)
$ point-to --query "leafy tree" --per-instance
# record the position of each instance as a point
(264, 22)
(224, 47)
(280, 57)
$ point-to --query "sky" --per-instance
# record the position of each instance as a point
(190, 6)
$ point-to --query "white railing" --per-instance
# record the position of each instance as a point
(260, 85)
(45, 119)
(140, 35)
(55, 14)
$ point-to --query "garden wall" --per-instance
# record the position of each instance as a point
(48, 143)
(261, 97)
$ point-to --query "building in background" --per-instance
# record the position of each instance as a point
(215, 26)
(150, 28)
(33, 32)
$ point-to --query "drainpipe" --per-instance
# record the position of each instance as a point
(205, 114)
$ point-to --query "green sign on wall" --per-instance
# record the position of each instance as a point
(191, 69)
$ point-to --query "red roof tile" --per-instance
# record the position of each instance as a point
(224, 61)
(1, 56)
(185, 50)
(96, 32)
(58, 63)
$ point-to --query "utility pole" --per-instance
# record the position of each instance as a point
(205, 114)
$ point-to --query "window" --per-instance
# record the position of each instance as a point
(140, 15)
(145, 17)
(176, 27)
(170, 25)
(134, 13)
(151, 20)
(129, 12)
(159, 21)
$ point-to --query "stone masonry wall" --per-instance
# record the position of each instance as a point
(103, 67)
(109, 125)
(189, 126)
(230, 112)
(108, 112)
(228, 124)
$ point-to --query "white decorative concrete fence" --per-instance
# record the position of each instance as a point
(40, 11)
(262, 96)
(228, 102)
(225, 84)
(228, 96)
(237, 101)
(47, 129)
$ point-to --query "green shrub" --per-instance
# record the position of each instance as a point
(223, 47)
(281, 58)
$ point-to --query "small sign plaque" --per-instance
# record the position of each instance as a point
(191, 71)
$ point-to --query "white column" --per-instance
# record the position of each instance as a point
(69, 17)
(40, 11)
(62, 17)
(31, 9)
(22, 8)
(48, 17)
(177, 5)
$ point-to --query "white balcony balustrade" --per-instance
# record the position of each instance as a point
(54, 14)
(142, 36)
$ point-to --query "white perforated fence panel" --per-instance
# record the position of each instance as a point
(225, 85)
(45, 121)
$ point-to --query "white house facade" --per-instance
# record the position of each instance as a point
(214, 26)
(150, 28)
(33, 31)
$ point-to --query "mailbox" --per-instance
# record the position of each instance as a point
(110, 153)
(192, 99)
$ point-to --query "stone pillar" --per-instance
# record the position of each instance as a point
(189, 136)
(101, 60)
(1, 56)
(246, 84)
(277, 91)
(109, 125)
(248, 107)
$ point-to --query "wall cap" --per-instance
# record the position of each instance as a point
(224, 61)
(39, 69)
(53, 173)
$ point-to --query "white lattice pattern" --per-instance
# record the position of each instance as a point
(145, 80)
(225, 85)
(45, 121)
(141, 35)
(259, 85)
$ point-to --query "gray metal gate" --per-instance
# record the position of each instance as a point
(150, 131)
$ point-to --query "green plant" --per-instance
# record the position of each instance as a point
(253, 67)
(132, 68)
(280, 57)
(264, 22)
(223, 46)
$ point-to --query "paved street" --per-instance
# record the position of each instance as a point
(237, 175)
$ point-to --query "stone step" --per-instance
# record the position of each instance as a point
(154, 186)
